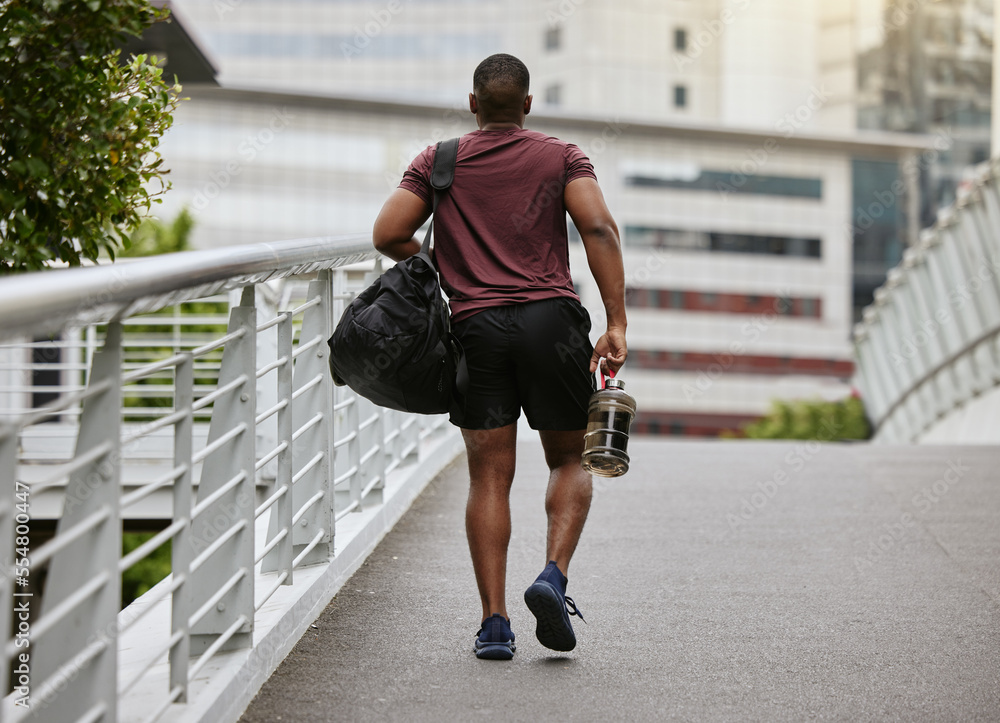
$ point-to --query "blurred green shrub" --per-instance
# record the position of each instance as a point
(80, 128)
(153, 236)
(812, 419)
(143, 575)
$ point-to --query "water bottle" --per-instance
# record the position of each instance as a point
(611, 413)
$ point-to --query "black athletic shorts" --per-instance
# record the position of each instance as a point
(533, 356)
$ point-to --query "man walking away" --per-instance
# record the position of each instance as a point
(501, 247)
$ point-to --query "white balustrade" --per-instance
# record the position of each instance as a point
(223, 424)
(928, 349)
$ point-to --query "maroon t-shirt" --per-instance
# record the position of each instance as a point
(500, 230)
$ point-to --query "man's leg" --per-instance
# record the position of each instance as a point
(567, 500)
(492, 454)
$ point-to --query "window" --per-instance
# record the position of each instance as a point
(641, 236)
(720, 303)
(680, 96)
(553, 94)
(726, 182)
(553, 38)
(680, 40)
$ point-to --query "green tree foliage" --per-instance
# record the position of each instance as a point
(79, 129)
(143, 575)
(153, 236)
(824, 421)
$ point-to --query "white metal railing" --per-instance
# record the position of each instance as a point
(250, 453)
(930, 344)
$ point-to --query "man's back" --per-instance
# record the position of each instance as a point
(502, 248)
(500, 231)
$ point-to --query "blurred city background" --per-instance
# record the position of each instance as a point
(767, 161)
(809, 196)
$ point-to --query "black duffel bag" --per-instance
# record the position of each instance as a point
(393, 344)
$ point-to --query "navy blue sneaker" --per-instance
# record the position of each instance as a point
(546, 599)
(495, 640)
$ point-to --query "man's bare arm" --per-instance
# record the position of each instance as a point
(403, 213)
(586, 206)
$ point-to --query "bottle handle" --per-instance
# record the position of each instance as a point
(604, 377)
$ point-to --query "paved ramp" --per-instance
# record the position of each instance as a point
(734, 581)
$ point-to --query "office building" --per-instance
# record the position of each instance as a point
(722, 134)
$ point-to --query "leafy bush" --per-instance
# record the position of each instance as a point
(79, 129)
(819, 420)
(153, 236)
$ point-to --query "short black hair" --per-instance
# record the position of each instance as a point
(500, 84)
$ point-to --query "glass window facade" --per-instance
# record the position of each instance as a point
(722, 303)
(728, 182)
(721, 241)
(877, 226)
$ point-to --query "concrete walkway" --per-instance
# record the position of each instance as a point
(721, 581)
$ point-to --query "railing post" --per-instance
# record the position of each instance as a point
(267, 393)
(280, 558)
(880, 355)
(181, 550)
(873, 392)
(391, 442)
(968, 315)
(312, 419)
(93, 490)
(951, 340)
(349, 461)
(384, 430)
(949, 281)
(374, 468)
(943, 384)
(410, 435)
(979, 236)
(232, 513)
(927, 396)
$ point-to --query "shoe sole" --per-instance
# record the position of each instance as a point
(495, 651)
(553, 629)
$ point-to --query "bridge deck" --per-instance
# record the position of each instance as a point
(864, 584)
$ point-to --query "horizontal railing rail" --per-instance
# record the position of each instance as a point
(930, 344)
(227, 427)
(40, 304)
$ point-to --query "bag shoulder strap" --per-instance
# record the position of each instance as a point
(445, 157)
(442, 175)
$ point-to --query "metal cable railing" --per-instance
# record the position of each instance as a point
(930, 344)
(250, 452)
